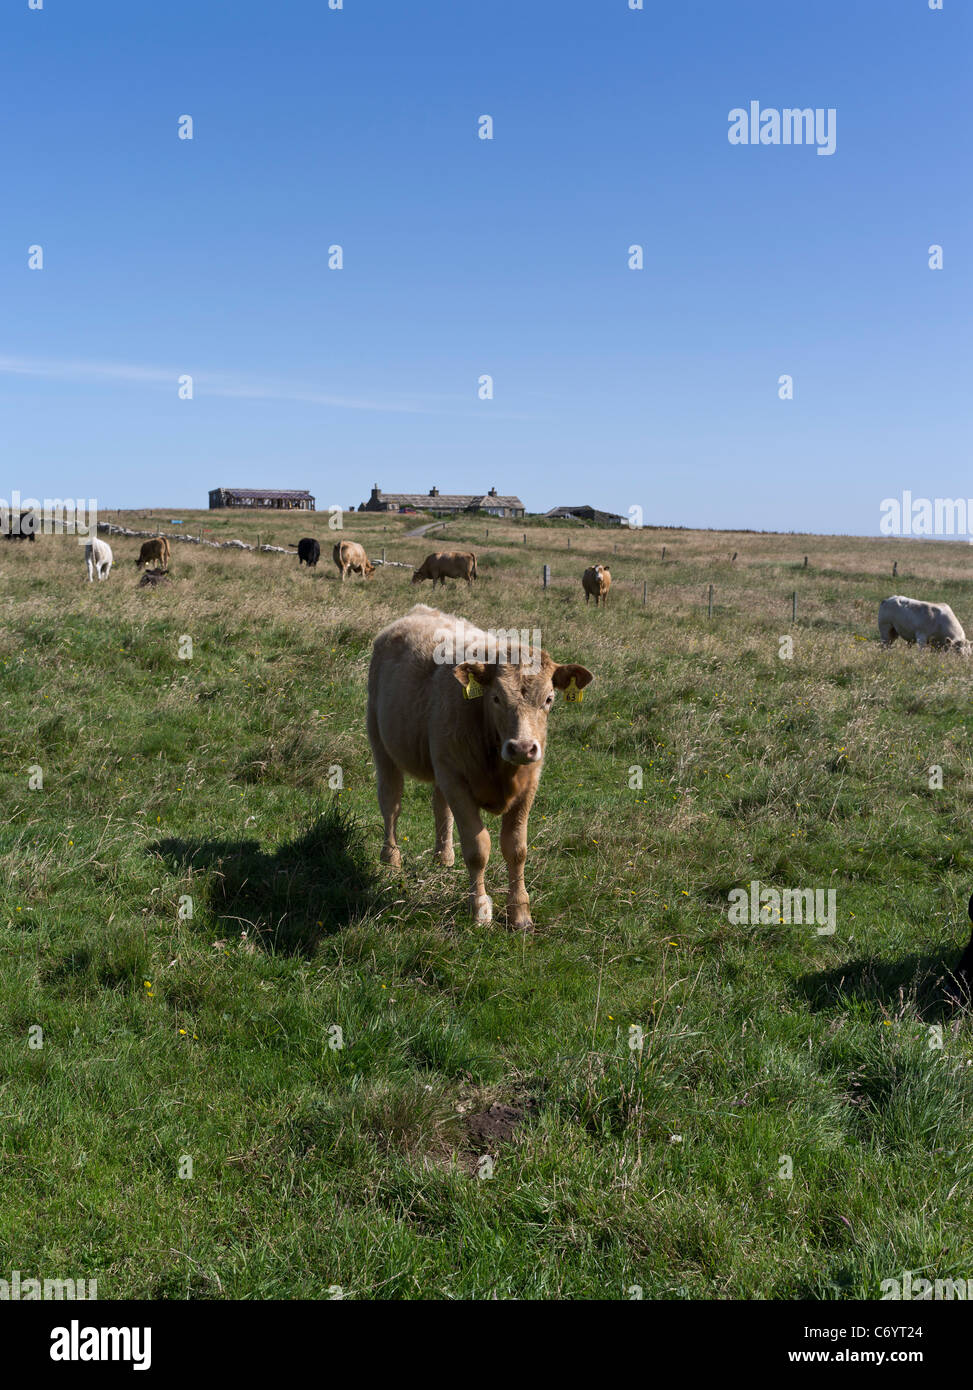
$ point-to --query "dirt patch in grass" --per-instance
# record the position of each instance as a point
(488, 1129)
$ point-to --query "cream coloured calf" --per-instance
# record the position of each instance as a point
(98, 557)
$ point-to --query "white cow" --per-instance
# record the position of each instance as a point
(934, 624)
(99, 558)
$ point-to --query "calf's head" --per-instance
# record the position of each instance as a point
(517, 699)
(369, 569)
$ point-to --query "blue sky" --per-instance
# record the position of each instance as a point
(358, 127)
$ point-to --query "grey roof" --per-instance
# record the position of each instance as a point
(261, 492)
(582, 507)
(449, 499)
(487, 501)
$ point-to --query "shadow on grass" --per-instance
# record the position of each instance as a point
(289, 899)
(928, 981)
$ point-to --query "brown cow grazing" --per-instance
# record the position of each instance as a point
(451, 564)
(596, 583)
(157, 549)
(349, 555)
(475, 729)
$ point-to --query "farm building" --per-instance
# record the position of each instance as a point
(279, 498)
(435, 501)
(591, 514)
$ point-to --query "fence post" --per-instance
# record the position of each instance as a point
(805, 562)
(645, 585)
(525, 538)
(547, 575)
(710, 611)
(663, 552)
(794, 606)
(383, 554)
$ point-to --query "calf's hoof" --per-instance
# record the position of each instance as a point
(482, 909)
(519, 918)
(391, 857)
(446, 857)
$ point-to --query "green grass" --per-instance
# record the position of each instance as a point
(313, 1166)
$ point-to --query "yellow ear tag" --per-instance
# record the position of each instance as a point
(472, 690)
(572, 694)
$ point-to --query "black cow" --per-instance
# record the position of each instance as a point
(21, 527)
(152, 578)
(308, 551)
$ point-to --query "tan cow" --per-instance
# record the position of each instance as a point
(596, 583)
(349, 555)
(451, 564)
(475, 729)
(157, 550)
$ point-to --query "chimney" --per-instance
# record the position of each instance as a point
(492, 492)
(434, 492)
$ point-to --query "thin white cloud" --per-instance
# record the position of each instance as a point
(205, 384)
(82, 371)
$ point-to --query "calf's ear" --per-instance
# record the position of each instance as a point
(474, 671)
(562, 676)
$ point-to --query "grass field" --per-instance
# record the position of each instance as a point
(210, 1038)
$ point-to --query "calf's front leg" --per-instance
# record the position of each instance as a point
(513, 843)
(475, 842)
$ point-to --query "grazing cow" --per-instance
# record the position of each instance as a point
(21, 527)
(596, 583)
(308, 552)
(475, 729)
(152, 578)
(156, 549)
(934, 624)
(349, 555)
(98, 557)
(451, 564)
